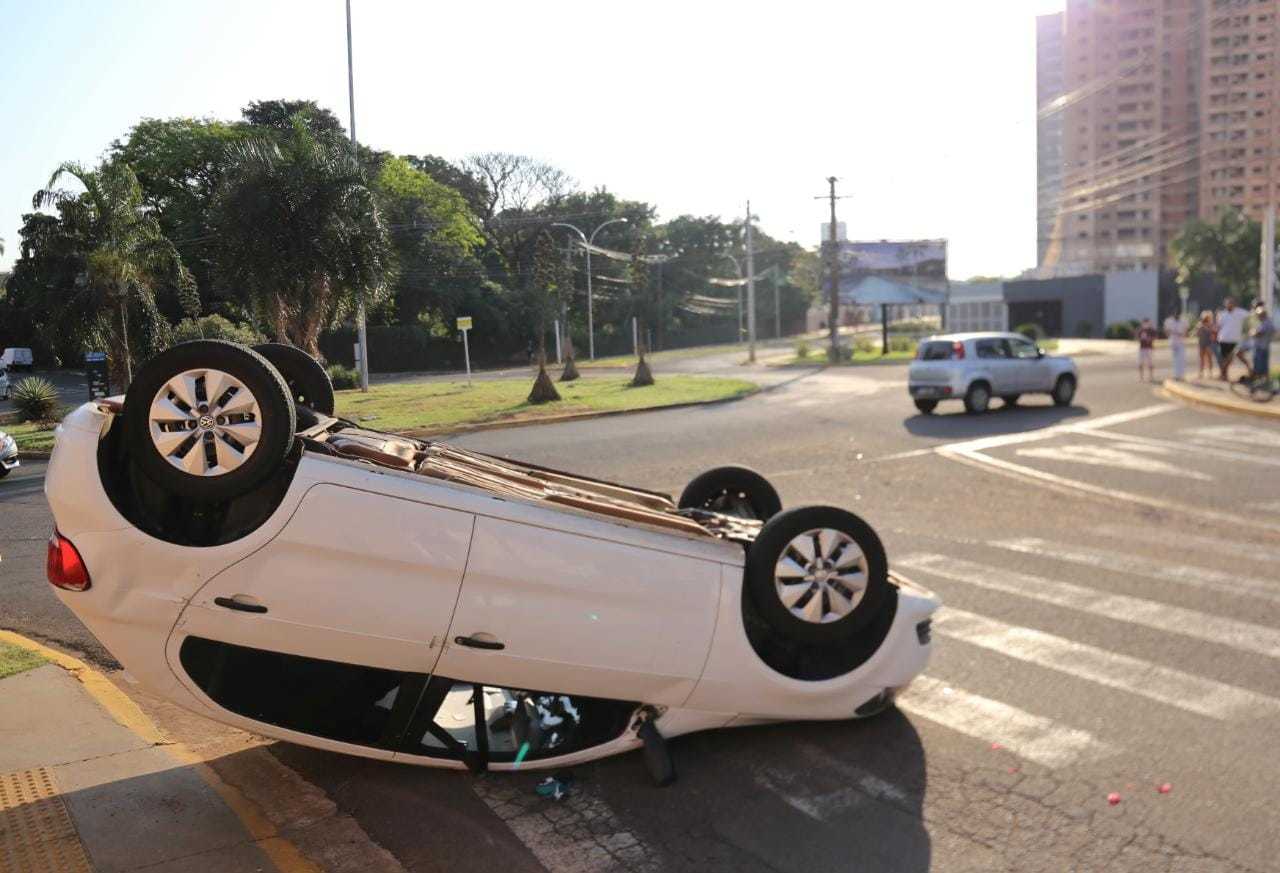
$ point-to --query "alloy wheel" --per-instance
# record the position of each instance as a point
(205, 422)
(821, 576)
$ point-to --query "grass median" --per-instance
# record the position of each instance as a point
(441, 406)
(31, 436)
(14, 660)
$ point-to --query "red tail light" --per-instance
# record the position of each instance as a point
(957, 350)
(64, 566)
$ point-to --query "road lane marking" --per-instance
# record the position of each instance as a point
(1009, 439)
(804, 792)
(1132, 456)
(1134, 675)
(1119, 562)
(1240, 635)
(1180, 540)
(1259, 437)
(1190, 450)
(579, 834)
(1028, 736)
(1064, 485)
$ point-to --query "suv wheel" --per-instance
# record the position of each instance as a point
(1064, 390)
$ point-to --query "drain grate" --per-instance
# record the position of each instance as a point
(36, 833)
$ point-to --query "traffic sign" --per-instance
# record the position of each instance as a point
(464, 322)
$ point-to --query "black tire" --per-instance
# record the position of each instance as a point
(276, 420)
(978, 398)
(926, 407)
(775, 542)
(1010, 399)
(308, 382)
(4, 471)
(1064, 390)
(737, 491)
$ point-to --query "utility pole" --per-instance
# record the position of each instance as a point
(751, 291)
(361, 330)
(833, 268)
(777, 305)
(1267, 262)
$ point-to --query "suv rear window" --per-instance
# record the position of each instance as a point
(934, 351)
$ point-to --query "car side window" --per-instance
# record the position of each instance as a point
(1024, 348)
(991, 348)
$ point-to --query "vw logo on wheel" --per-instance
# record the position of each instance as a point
(206, 422)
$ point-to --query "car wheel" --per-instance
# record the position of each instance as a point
(1010, 399)
(308, 382)
(208, 420)
(4, 471)
(737, 491)
(926, 406)
(1064, 390)
(817, 575)
(977, 398)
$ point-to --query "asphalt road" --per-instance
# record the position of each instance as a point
(1111, 579)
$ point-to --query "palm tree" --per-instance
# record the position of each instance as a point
(299, 233)
(126, 259)
(542, 286)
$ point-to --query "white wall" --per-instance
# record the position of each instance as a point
(1131, 294)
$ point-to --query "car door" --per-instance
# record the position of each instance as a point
(572, 612)
(318, 629)
(1031, 370)
(993, 352)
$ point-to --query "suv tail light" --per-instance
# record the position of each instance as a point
(64, 566)
(957, 351)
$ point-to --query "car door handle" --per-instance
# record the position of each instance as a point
(476, 643)
(232, 603)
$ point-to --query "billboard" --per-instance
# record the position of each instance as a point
(923, 261)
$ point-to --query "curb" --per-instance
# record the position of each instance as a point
(286, 857)
(572, 416)
(1178, 391)
(26, 455)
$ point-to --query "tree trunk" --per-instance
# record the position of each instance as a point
(643, 376)
(570, 371)
(544, 390)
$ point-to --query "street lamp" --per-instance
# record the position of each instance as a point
(587, 243)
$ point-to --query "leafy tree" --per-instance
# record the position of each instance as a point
(470, 186)
(1227, 248)
(434, 237)
(299, 234)
(280, 115)
(116, 258)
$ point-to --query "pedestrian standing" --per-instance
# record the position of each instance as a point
(1230, 332)
(1264, 331)
(1175, 328)
(1206, 338)
(1146, 349)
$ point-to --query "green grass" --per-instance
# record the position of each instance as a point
(32, 436)
(14, 660)
(818, 357)
(399, 406)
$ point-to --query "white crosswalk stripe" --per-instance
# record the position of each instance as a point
(1239, 635)
(1196, 577)
(1026, 735)
(1134, 675)
(1179, 540)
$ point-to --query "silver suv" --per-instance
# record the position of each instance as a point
(974, 367)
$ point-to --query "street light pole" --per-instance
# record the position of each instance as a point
(588, 242)
(738, 268)
(751, 291)
(361, 329)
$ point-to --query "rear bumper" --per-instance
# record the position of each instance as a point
(932, 392)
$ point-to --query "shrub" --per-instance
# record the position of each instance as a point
(343, 377)
(215, 327)
(839, 354)
(1120, 330)
(863, 345)
(1031, 331)
(35, 399)
(802, 350)
(901, 344)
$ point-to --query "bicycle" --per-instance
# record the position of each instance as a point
(1260, 388)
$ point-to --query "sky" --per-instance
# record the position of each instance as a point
(925, 111)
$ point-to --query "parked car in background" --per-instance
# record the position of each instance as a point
(8, 454)
(975, 367)
(4, 383)
(17, 359)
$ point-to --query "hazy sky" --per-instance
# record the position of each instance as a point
(924, 110)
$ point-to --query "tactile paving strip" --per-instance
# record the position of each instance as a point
(36, 833)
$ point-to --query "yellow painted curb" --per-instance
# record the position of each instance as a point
(1227, 404)
(283, 854)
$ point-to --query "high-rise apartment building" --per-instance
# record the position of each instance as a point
(1168, 111)
(1049, 87)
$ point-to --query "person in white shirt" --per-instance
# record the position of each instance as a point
(1230, 330)
(1175, 328)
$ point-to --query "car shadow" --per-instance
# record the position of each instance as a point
(786, 797)
(999, 420)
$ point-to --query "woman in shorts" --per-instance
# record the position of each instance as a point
(1206, 336)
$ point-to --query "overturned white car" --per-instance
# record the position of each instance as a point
(249, 556)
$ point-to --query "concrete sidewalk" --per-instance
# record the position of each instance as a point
(89, 782)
